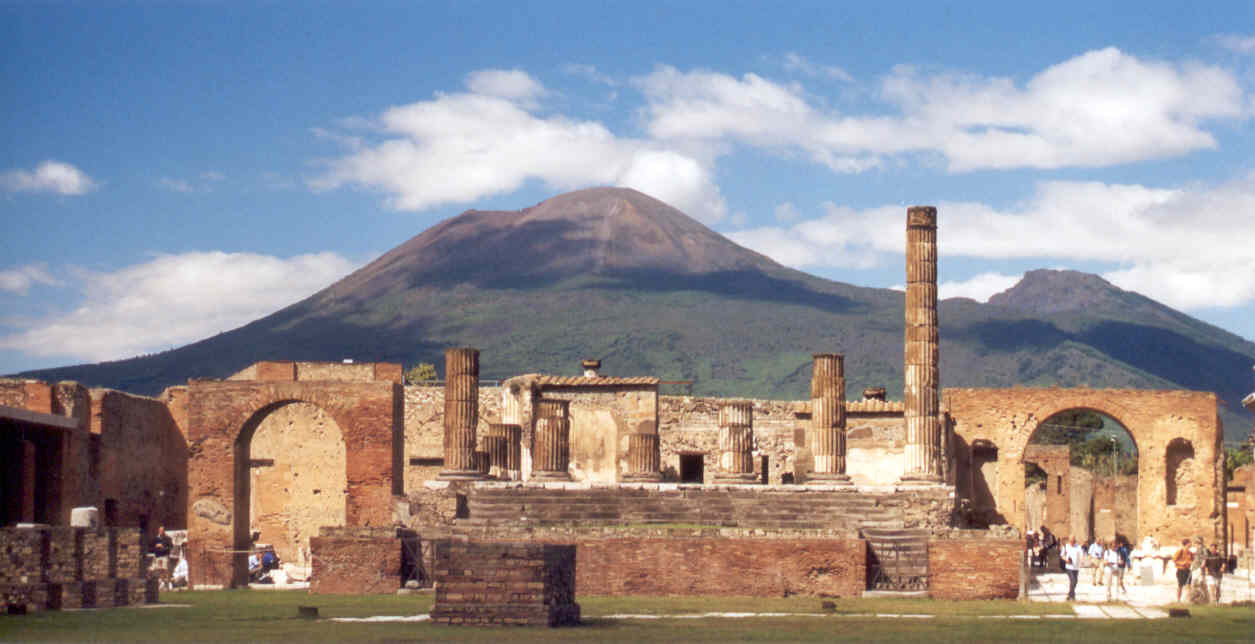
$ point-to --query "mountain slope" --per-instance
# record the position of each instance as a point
(615, 274)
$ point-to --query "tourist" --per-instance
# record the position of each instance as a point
(1111, 561)
(1072, 554)
(1183, 559)
(162, 543)
(1031, 547)
(178, 578)
(254, 567)
(1047, 543)
(1214, 568)
(1125, 551)
(1095, 559)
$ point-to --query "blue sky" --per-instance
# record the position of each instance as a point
(168, 172)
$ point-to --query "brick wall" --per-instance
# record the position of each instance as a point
(974, 568)
(365, 563)
(758, 567)
(143, 459)
(505, 583)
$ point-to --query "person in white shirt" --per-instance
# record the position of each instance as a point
(1072, 554)
(1095, 560)
(178, 578)
(1111, 561)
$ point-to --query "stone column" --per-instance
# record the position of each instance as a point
(495, 450)
(505, 462)
(552, 451)
(922, 371)
(644, 460)
(736, 443)
(828, 420)
(461, 413)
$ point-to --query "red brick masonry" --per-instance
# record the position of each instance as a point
(974, 568)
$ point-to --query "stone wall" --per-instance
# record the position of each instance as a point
(974, 566)
(1177, 434)
(424, 429)
(62, 459)
(601, 418)
(1115, 508)
(298, 480)
(1055, 460)
(142, 460)
(61, 567)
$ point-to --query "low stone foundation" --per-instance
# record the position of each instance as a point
(364, 561)
(505, 583)
(50, 568)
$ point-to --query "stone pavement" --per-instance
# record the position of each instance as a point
(1053, 587)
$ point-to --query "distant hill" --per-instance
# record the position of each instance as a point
(615, 274)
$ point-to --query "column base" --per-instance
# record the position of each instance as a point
(920, 478)
(642, 477)
(828, 478)
(460, 475)
(748, 478)
(543, 476)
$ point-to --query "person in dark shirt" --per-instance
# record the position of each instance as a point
(162, 545)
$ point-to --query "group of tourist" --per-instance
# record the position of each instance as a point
(1201, 566)
(1110, 559)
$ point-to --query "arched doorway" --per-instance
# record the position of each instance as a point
(1081, 476)
(291, 478)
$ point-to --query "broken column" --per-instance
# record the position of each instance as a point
(922, 371)
(504, 459)
(828, 419)
(552, 450)
(644, 460)
(461, 413)
(736, 443)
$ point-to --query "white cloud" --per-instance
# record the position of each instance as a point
(175, 299)
(786, 212)
(19, 280)
(978, 287)
(460, 147)
(177, 185)
(1188, 247)
(512, 84)
(50, 176)
(589, 72)
(1101, 108)
(1236, 43)
(795, 62)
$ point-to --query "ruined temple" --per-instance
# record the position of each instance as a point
(344, 468)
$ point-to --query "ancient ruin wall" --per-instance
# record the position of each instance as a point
(1055, 460)
(142, 459)
(601, 420)
(875, 440)
(221, 418)
(298, 478)
(424, 429)
(1157, 420)
(975, 567)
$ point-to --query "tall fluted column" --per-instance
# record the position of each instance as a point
(736, 443)
(552, 451)
(495, 449)
(828, 419)
(922, 370)
(461, 413)
(644, 460)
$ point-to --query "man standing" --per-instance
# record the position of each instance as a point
(1072, 554)
(1095, 560)
(1183, 560)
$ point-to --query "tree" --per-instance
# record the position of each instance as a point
(421, 372)
(1235, 457)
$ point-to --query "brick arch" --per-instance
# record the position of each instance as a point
(221, 413)
(1009, 417)
(242, 512)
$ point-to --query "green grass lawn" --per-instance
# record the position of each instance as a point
(228, 616)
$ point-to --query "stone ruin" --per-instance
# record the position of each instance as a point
(356, 477)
